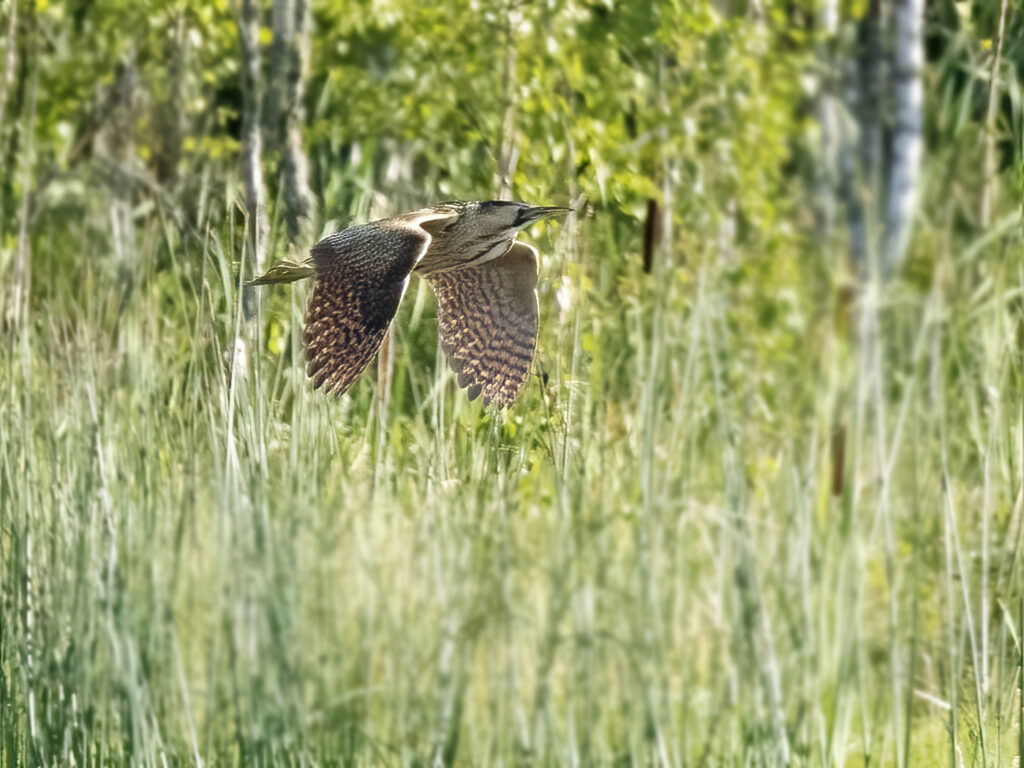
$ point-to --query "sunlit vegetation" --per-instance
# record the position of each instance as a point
(762, 502)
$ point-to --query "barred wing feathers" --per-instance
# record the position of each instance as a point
(361, 275)
(487, 317)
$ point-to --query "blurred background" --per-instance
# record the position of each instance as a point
(760, 504)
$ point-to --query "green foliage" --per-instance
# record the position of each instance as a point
(745, 505)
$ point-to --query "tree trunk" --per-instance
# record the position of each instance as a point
(509, 147)
(860, 152)
(828, 114)
(283, 20)
(16, 313)
(291, 39)
(872, 77)
(850, 181)
(10, 59)
(907, 143)
(173, 111)
(252, 148)
(7, 153)
(985, 217)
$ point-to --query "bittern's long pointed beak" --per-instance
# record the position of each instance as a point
(530, 215)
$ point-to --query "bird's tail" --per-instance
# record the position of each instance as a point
(285, 272)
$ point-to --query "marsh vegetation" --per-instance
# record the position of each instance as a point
(761, 503)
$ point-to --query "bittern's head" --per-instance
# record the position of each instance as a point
(499, 218)
(514, 215)
(481, 231)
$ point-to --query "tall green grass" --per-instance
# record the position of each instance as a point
(719, 528)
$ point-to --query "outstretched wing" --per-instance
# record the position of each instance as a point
(487, 315)
(361, 275)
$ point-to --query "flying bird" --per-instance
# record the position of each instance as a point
(484, 280)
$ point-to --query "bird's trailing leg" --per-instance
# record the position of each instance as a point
(285, 272)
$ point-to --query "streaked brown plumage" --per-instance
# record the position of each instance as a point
(487, 318)
(484, 280)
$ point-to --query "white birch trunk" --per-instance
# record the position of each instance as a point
(907, 142)
(873, 76)
(985, 217)
(298, 197)
(252, 146)
(849, 169)
(828, 113)
(283, 22)
(509, 147)
(10, 59)
(17, 310)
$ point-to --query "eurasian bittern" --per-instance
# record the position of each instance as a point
(484, 279)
